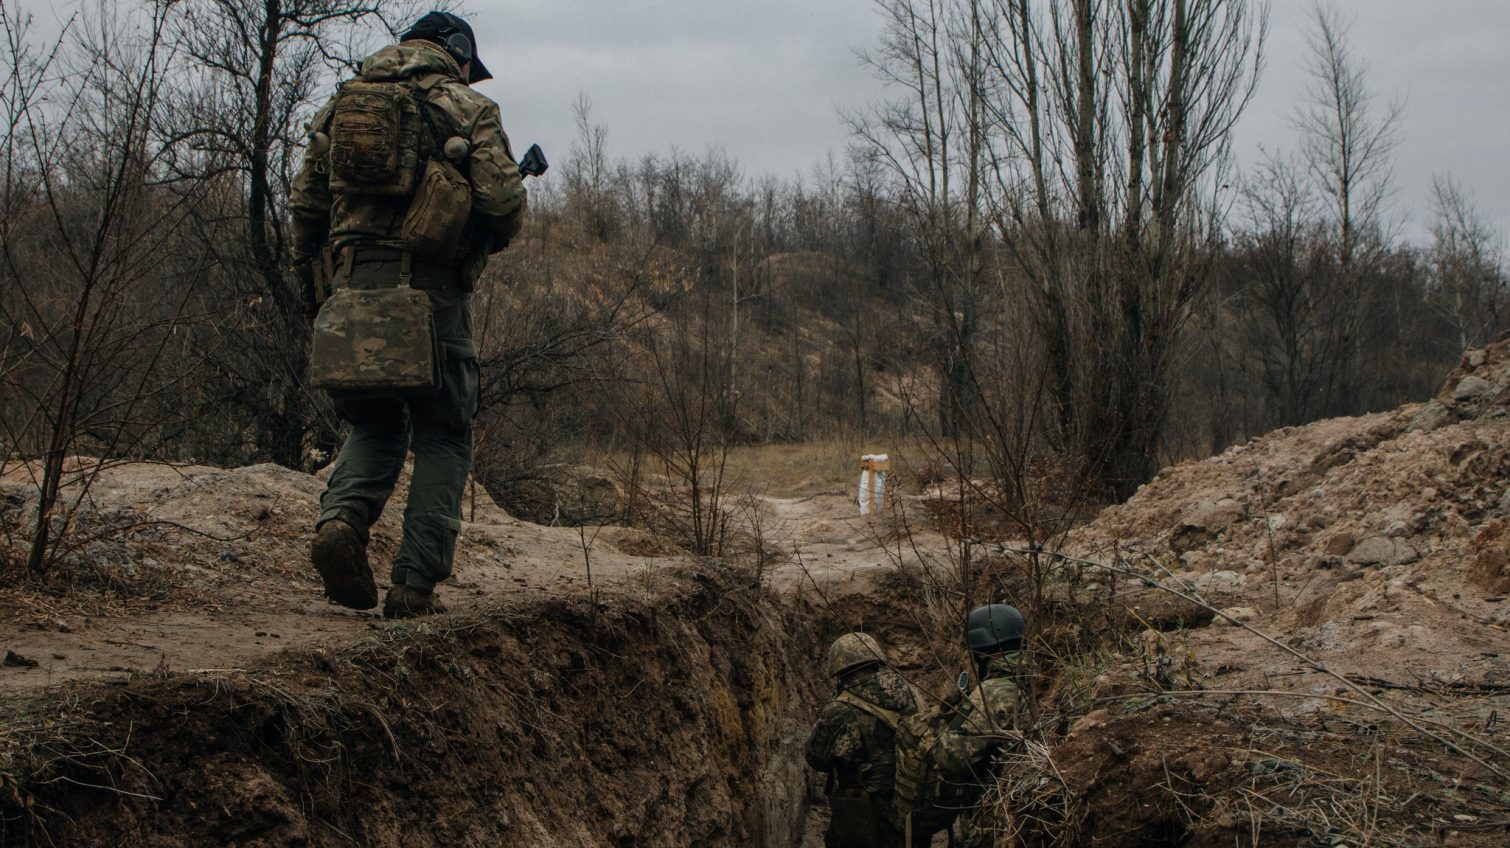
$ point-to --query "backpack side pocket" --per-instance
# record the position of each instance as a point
(439, 211)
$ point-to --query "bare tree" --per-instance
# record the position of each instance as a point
(1467, 268)
(589, 173)
(1116, 120)
(677, 399)
(91, 275)
(933, 141)
(1291, 306)
(1347, 142)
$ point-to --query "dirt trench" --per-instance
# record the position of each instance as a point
(670, 714)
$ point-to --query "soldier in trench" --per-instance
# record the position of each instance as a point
(854, 743)
(348, 231)
(989, 719)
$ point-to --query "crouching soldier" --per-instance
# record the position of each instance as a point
(990, 718)
(854, 743)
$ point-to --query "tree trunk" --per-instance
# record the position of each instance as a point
(282, 432)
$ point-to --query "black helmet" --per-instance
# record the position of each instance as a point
(452, 33)
(994, 627)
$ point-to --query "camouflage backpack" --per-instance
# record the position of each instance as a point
(923, 802)
(384, 142)
(375, 137)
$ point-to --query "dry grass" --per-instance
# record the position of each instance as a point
(796, 470)
(820, 467)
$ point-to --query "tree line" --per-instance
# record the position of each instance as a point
(1037, 252)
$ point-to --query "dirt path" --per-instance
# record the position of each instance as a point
(226, 559)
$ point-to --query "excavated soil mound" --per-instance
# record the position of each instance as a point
(1374, 545)
(1334, 661)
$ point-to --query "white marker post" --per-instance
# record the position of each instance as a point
(873, 469)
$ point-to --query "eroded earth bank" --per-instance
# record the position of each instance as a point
(1301, 641)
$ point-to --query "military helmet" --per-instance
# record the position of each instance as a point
(994, 627)
(853, 650)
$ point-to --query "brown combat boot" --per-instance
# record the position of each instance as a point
(408, 602)
(341, 558)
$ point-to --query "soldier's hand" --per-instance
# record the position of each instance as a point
(300, 276)
(1006, 740)
(952, 700)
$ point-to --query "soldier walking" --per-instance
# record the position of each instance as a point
(346, 234)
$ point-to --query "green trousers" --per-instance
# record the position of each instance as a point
(437, 427)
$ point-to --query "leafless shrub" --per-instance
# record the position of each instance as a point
(93, 282)
(681, 436)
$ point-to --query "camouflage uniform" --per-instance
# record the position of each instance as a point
(361, 234)
(991, 715)
(857, 750)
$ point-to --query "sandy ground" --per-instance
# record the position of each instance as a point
(219, 561)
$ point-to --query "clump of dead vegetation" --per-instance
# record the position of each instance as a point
(1134, 744)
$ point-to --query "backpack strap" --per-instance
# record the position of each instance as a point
(438, 135)
(429, 81)
(891, 717)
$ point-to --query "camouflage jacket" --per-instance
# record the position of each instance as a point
(498, 195)
(991, 713)
(856, 747)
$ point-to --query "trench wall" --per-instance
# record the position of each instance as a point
(671, 716)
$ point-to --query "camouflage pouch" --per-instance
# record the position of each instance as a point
(374, 139)
(375, 342)
(438, 214)
(854, 820)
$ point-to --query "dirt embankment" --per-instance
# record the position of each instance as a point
(178, 679)
(1353, 687)
(670, 715)
(1338, 674)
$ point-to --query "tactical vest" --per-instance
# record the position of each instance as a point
(923, 802)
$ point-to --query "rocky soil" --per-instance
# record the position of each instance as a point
(1332, 665)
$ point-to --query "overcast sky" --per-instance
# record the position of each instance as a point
(764, 80)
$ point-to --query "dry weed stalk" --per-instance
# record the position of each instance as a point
(1031, 790)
